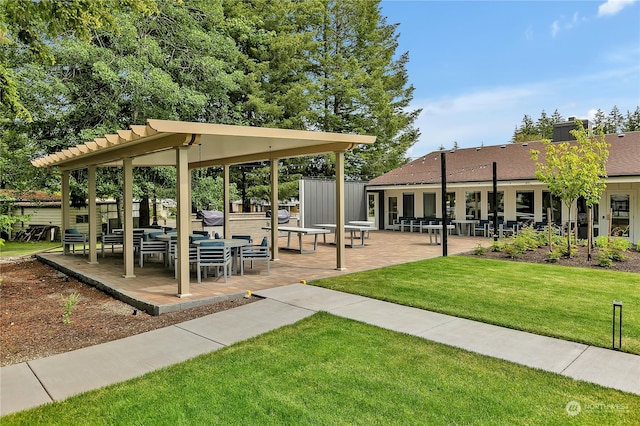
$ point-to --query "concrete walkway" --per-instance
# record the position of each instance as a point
(57, 377)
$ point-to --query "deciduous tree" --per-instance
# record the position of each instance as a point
(573, 169)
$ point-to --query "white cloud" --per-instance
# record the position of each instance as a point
(566, 25)
(528, 34)
(555, 27)
(490, 116)
(612, 7)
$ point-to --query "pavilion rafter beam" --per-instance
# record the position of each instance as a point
(136, 149)
(284, 153)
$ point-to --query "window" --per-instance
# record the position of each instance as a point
(429, 204)
(82, 218)
(555, 203)
(473, 204)
(500, 200)
(451, 205)
(372, 205)
(524, 206)
(407, 204)
(393, 209)
(620, 219)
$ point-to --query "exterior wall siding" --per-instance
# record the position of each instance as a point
(510, 189)
(318, 201)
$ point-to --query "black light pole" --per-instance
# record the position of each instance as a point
(495, 202)
(443, 168)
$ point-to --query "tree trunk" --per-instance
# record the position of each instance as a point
(569, 234)
(589, 232)
(144, 211)
(549, 229)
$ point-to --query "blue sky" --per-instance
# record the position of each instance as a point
(479, 66)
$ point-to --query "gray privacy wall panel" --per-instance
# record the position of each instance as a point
(318, 201)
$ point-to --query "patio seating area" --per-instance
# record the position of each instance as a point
(153, 288)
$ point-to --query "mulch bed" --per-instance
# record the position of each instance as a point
(31, 314)
(630, 264)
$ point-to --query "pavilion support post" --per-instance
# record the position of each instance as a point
(66, 200)
(340, 222)
(274, 208)
(183, 221)
(226, 201)
(127, 198)
(93, 217)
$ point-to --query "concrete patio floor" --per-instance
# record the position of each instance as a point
(154, 289)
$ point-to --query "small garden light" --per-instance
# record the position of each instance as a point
(616, 304)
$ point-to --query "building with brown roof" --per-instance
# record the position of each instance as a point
(414, 190)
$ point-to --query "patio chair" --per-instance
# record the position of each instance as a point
(243, 237)
(147, 248)
(481, 226)
(255, 252)
(153, 235)
(416, 224)
(213, 253)
(406, 223)
(193, 258)
(138, 236)
(197, 237)
(112, 240)
(71, 237)
(511, 228)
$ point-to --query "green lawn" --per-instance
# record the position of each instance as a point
(569, 303)
(18, 248)
(329, 370)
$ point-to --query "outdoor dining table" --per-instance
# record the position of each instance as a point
(435, 231)
(235, 244)
(352, 229)
(469, 223)
(300, 232)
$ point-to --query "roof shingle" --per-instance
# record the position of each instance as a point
(513, 163)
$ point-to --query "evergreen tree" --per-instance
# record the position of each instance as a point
(358, 87)
(615, 120)
(544, 126)
(600, 121)
(556, 117)
(527, 131)
(632, 122)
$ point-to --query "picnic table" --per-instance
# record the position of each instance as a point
(352, 229)
(300, 232)
(469, 224)
(435, 231)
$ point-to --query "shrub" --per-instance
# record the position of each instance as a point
(616, 255)
(621, 244)
(512, 251)
(602, 241)
(479, 250)
(496, 246)
(558, 239)
(553, 256)
(564, 252)
(69, 303)
(604, 260)
(529, 239)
